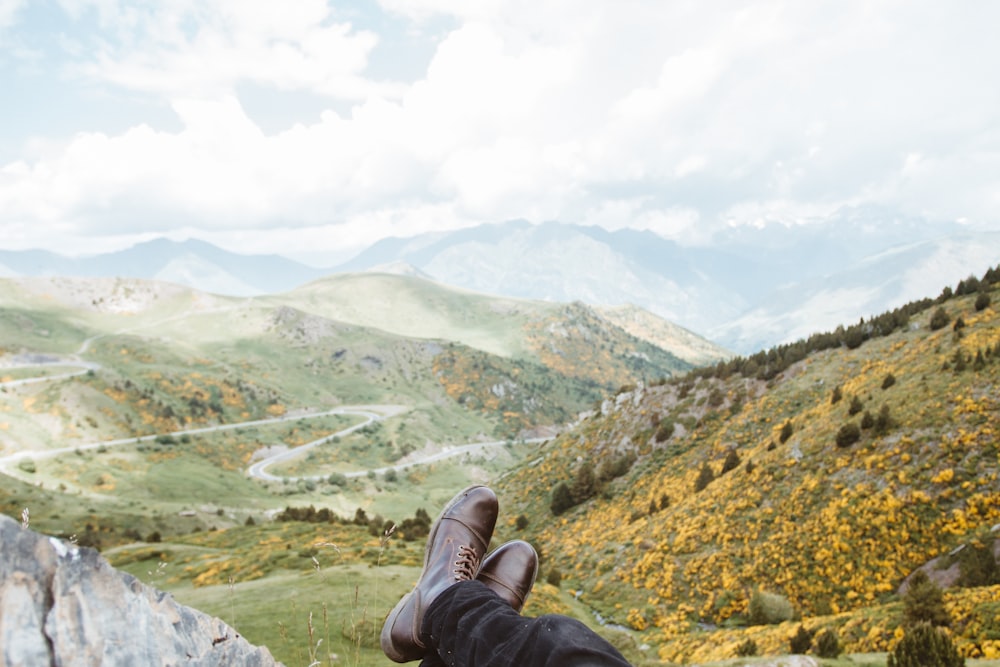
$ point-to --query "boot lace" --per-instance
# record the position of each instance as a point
(466, 564)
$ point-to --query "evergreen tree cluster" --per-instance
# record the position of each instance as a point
(766, 365)
(410, 529)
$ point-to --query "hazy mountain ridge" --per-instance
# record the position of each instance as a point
(193, 263)
(749, 289)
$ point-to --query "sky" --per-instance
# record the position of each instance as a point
(313, 128)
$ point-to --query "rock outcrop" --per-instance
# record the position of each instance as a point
(64, 605)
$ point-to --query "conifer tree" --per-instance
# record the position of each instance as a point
(732, 460)
(923, 602)
(562, 499)
(924, 645)
(940, 319)
(705, 477)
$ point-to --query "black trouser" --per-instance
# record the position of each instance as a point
(468, 625)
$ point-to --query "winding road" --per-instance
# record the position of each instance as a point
(257, 470)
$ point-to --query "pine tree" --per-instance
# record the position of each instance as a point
(562, 499)
(731, 462)
(923, 602)
(939, 319)
(827, 644)
(786, 431)
(924, 645)
(982, 301)
(856, 406)
(800, 642)
(705, 477)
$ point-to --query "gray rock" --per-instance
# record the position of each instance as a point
(63, 605)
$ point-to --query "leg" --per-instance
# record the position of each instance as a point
(471, 626)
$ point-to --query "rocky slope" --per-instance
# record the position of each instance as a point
(64, 605)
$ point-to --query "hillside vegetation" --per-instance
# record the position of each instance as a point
(823, 480)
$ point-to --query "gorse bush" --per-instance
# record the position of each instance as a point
(747, 648)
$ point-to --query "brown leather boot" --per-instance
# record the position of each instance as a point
(510, 572)
(455, 548)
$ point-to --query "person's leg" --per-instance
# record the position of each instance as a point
(469, 625)
(456, 546)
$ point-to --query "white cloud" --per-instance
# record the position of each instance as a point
(663, 116)
(8, 12)
(200, 48)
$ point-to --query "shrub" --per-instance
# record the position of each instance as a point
(800, 642)
(250, 521)
(924, 645)
(522, 522)
(554, 577)
(154, 536)
(747, 648)
(786, 431)
(768, 609)
(562, 499)
(827, 644)
(867, 420)
(837, 394)
(716, 397)
(982, 301)
(731, 462)
(940, 319)
(889, 380)
(856, 406)
(848, 434)
(27, 465)
(664, 430)
(884, 421)
(923, 602)
(977, 566)
(705, 477)
(585, 483)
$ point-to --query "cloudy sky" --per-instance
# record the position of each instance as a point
(314, 127)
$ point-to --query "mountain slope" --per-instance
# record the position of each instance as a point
(173, 357)
(751, 288)
(797, 510)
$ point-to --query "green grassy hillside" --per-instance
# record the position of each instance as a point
(786, 503)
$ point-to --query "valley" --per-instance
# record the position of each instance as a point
(136, 412)
(268, 459)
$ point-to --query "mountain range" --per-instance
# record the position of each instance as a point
(750, 289)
